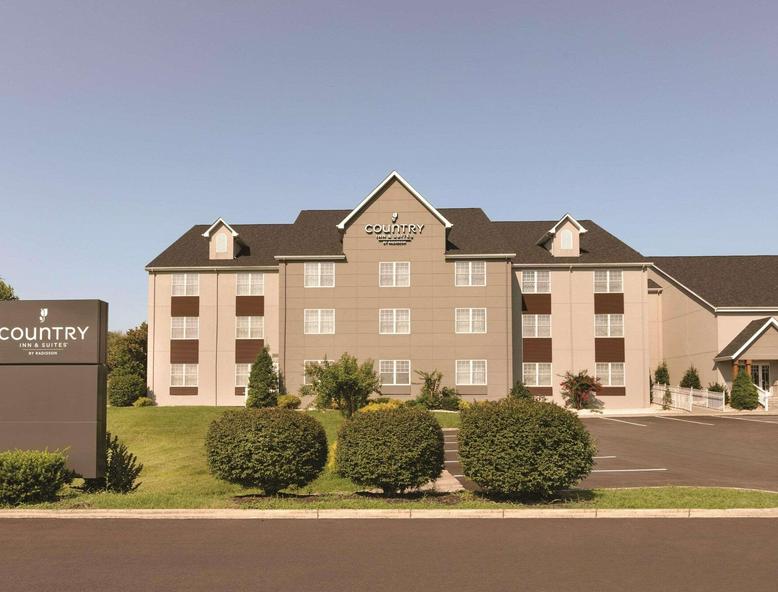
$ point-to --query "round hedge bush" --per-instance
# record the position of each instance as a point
(518, 448)
(269, 448)
(124, 388)
(391, 448)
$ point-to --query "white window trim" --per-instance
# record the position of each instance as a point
(318, 265)
(609, 325)
(319, 311)
(222, 246)
(608, 273)
(394, 322)
(470, 321)
(537, 374)
(250, 317)
(197, 376)
(251, 285)
(187, 282)
(566, 240)
(245, 387)
(470, 283)
(394, 274)
(536, 336)
(535, 282)
(471, 383)
(394, 373)
(197, 329)
(610, 374)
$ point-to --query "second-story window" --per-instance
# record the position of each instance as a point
(249, 327)
(470, 320)
(609, 325)
(184, 327)
(394, 274)
(535, 281)
(536, 325)
(394, 321)
(320, 274)
(250, 284)
(319, 321)
(608, 281)
(185, 284)
(470, 273)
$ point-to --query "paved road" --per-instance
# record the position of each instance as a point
(384, 555)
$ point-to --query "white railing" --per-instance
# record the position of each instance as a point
(686, 398)
(764, 398)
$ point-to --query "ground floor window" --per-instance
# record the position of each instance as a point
(242, 372)
(183, 375)
(537, 373)
(471, 372)
(306, 364)
(395, 372)
(610, 373)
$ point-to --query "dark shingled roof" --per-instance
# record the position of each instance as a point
(735, 280)
(742, 338)
(314, 232)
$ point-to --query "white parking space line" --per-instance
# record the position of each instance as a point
(626, 470)
(685, 420)
(598, 457)
(642, 425)
(749, 419)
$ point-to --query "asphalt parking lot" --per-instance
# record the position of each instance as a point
(706, 450)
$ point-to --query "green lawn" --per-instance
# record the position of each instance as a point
(169, 443)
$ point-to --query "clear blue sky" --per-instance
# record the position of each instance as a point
(123, 124)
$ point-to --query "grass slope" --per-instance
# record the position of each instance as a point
(169, 443)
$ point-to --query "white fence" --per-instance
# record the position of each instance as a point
(686, 398)
(764, 398)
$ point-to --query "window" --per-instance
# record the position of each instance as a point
(185, 284)
(608, 280)
(184, 327)
(320, 275)
(536, 325)
(221, 243)
(471, 372)
(470, 273)
(394, 274)
(537, 373)
(470, 320)
(610, 374)
(250, 284)
(394, 321)
(183, 375)
(242, 372)
(609, 325)
(306, 377)
(395, 372)
(319, 321)
(249, 327)
(535, 282)
(566, 239)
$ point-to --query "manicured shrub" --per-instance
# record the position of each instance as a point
(263, 382)
(383, 405)
(345, 384)
(580, 390)
(268, 448)
(691, 379)
(289, 401)
(524, 448)
(392, 449)
(744, 394)
(124, 388)
(121, 469)
(29, 476)
(662, 374)
(520, 391)
(434, 395)
(144, 402)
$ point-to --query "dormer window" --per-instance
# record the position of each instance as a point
(223, 240)
(221, 243)
(566, 239)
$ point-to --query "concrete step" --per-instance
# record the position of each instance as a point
(451, 455)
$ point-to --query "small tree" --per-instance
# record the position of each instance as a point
(580, 390)
(127, 352)
(121, 469)
(346, 384)
(662, 374)
(263, 382)
(691, 379)
(520, 391)
(7, 291)
(124, 388)
(435, 396)
(667, 399)
(744, 394)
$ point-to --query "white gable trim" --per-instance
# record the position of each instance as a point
(393, 176)
(757, 334)
(553, 230)
(208, 232)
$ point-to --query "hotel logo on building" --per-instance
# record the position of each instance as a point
(394, 233)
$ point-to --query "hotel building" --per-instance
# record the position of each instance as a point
(415, 287)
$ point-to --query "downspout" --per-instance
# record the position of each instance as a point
(216, 357)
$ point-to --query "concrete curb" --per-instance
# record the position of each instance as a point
(349, 514)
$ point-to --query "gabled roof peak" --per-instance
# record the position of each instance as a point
(553, 230)
(393, 176)
(213, 226)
